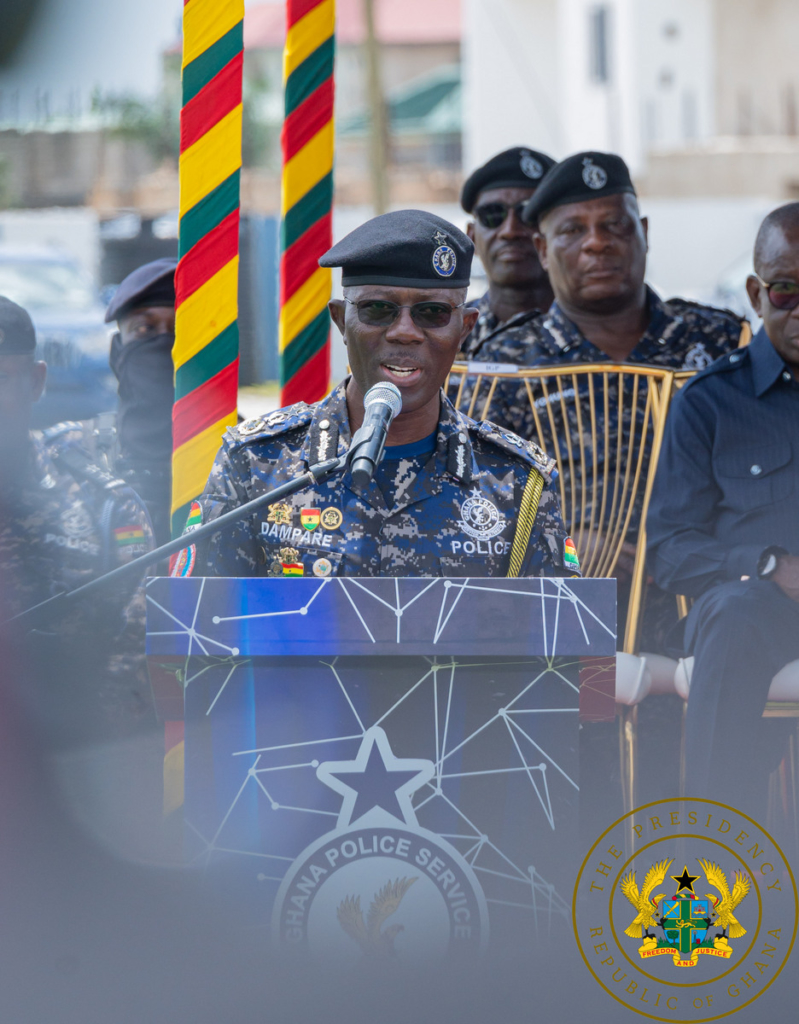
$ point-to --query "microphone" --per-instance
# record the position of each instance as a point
(381, 404)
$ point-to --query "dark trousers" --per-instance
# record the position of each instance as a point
(741, 634)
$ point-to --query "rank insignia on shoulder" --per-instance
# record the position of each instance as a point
(331, 518)
(253, 426)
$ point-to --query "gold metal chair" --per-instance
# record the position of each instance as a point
(603, 424)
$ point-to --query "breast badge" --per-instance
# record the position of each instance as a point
(322, 567)
(309, 518)
(331, 518)
(480, 518)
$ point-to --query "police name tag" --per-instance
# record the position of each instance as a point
(492, 367)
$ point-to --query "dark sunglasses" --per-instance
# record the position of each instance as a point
(491, 215)
(379, 313)
(781, 294)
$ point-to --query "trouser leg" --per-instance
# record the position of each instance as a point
(741, 635)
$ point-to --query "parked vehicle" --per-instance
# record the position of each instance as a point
(72, 338)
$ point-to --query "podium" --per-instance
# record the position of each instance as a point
(384, 766)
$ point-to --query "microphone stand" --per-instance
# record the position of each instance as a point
(316, 473)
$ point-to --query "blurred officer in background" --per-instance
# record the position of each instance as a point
(723, 528)
(518, 286)
(445, 499)
(63, 521)
(135, 443)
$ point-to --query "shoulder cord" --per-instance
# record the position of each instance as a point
(524, 523)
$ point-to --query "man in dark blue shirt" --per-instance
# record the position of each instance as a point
(724, 527)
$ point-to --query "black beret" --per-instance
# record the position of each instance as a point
(513, 168)
(150, 285)
(17, 334)
(577, 178)
(406, 248)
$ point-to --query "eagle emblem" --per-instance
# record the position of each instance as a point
(725, 919)
(645, 906)
(368, 934)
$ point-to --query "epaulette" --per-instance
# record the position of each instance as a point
(509, 442)
(678, 306)
(78, 461)
(50, 434)
(271, 424)
(724, 364)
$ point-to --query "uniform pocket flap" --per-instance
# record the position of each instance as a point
(754, 461)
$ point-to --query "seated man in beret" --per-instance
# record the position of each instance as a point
(518, 286)
(592, 241)
(445, 499)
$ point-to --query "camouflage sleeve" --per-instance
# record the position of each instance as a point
(233, 552)
(550, 551)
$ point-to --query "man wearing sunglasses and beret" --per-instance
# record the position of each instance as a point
(444, 501)
(723, 528)
(518, 286)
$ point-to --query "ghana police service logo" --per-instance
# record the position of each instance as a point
(444, 259)
(685, 910)
(593, 175)
(379, 885)
(531, 167)
(481, 518)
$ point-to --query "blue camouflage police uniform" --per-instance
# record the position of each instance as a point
(727, 489)
(448, 512)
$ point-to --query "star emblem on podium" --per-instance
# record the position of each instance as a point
(376, 783)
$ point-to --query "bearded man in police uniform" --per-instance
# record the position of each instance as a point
(444, 500)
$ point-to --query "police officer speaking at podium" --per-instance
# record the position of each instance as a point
(445, 499)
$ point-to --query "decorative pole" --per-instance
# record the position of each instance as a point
(206, 350)
(306, 200)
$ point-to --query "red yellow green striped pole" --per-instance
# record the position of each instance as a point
(306, 200)
(206, 282)
(206, 350)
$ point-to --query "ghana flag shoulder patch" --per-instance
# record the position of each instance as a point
(570, 559)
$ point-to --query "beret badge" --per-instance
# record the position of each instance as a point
(444, 259)
(593, 175)
(531, 167)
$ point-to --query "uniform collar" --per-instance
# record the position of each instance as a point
(488, 325)
(567, 336)
(452, 433)
(767, 364)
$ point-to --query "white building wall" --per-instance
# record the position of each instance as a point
(530, 76)
(510, 78)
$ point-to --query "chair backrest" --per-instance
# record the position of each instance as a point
(603, 424)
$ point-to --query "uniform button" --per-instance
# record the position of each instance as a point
(324, 424)
(786, 375)
(734, 358)
(661, 341)
(756, 470)
(462, 438)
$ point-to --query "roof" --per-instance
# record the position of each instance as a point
(397, 22)
(429, 104)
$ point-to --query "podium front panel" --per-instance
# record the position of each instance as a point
(384, 765)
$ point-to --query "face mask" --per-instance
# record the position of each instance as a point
(145, 372)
